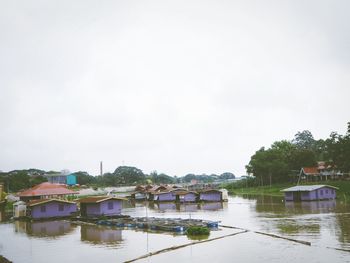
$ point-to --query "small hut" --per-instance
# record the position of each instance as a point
(309, 192)
(51, 208)
(211, 195)
(167, 196)
(184, 196)
(95, 206)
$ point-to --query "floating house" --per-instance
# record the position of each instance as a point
(96, 206)
(185, 196)
(152, 193)
(309, 192)
(164, 196)
(46, 191)
(51, 208)
(211, 195)
(177, 195)
(138, 196)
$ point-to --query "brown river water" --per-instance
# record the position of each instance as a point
(325, 224)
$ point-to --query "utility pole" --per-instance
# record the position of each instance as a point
(101, 168)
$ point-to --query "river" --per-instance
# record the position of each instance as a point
(325, 224)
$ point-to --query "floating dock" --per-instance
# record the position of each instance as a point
(177, 225)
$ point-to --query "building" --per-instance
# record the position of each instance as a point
(185, 196)
(50, 208)
(167, 196)
(321, 172)
(95, 206)
(61, 178)
(309, 192)
(177, 195)
(71, 179)
(211, 195)
(46, 191)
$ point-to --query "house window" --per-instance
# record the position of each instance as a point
(43, 209)
(60, 207)
(326, 191)
(110, 205)
(321, 192)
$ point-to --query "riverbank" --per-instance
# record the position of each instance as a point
(4, 260)
(343, 193)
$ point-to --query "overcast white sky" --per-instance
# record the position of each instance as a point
(174, 86)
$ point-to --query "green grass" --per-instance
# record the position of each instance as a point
(343, 193)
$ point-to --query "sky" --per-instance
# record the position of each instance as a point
(173, 86)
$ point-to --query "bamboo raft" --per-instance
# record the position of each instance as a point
(177, 225)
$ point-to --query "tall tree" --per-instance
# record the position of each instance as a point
(304, 140)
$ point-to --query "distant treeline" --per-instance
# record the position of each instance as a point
(284, 159)
(124, 175)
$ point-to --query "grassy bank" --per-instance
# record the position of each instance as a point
(275, 190)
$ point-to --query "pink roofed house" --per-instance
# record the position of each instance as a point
(46, 190)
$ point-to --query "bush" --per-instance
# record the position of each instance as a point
(198, 231)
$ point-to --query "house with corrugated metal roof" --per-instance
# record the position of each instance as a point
(46, 191)
(95, 206)
(51, 208)
(309, 192)
(210, 195)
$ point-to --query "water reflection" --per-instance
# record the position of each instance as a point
(317, 221)
(213, 206)
(311, 206)
(190, 207)
(343, 233)
(50, 229)
(101, 235)
(293, 227)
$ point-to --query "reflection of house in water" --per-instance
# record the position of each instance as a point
(165, 206)
(312, 207)
(44, 229)
(100, 235)
(212, 206)
(189, 207)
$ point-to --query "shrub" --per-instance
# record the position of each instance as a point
(198, 231)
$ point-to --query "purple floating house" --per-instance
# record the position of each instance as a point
(51, 208)
(211, 195)
(164, 196)
(309, 192)
(178, 195)
(95, 206)
(185, 196)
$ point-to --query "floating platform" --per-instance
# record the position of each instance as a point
(177, 225)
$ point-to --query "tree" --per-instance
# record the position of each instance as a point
(269, 166)
(227, 175)
(126, 175)
(338, 150)
(161, 178)
(304, 140)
